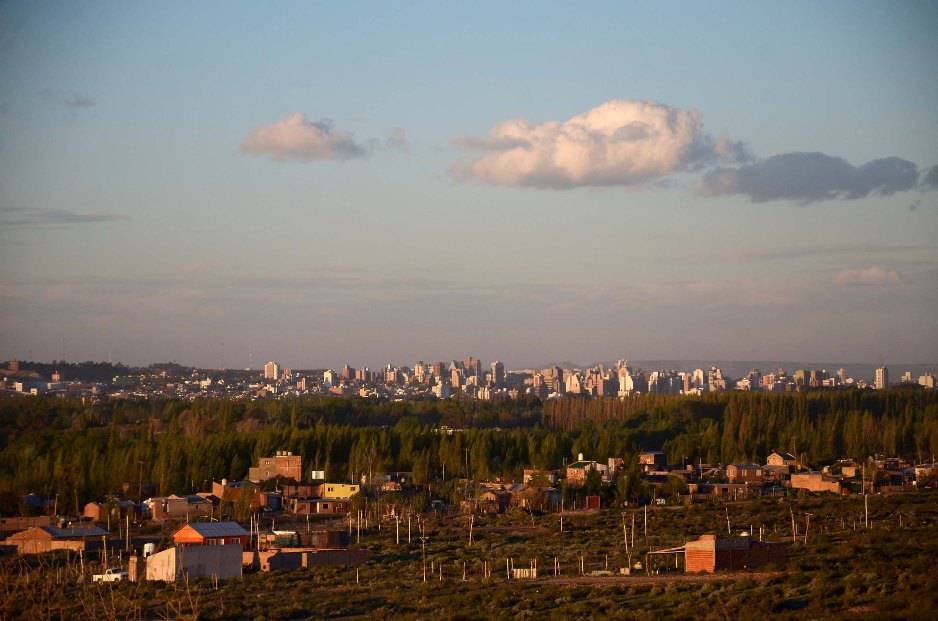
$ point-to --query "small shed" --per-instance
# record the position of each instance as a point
(711, 553)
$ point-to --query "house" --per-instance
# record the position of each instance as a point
(310, 506)
(733, 491)
(652, 460)
(844, 468)
(40, 539)
(98, 511)
(745, 473)
(295, 490)
(780, 458)
(530, 474)
(338, 491)
(211, 534)
(816, 482)
(494, 501)
(712, 553)
(195, 561)
(537, 498)
(323, 539)
(170, 507)
(580, 469)
(284, 464)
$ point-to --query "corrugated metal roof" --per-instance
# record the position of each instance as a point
(219, 529)
(93, 531)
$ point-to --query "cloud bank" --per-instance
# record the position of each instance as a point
(297, 138)
(69, 99)
(618, 143)
(811, 177)
(35, 217)
(870, 276)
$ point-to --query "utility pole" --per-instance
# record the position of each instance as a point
(423, 549)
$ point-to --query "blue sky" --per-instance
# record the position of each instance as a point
(137, 220)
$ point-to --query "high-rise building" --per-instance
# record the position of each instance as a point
(472, 366)
(881, 378)
(420, 372)
(272, 371)
(498, 374)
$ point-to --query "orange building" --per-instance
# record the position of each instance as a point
(712, 553)
(211, 533)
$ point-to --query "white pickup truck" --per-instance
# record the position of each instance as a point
(114, 574)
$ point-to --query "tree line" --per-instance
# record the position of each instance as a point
(82, 452)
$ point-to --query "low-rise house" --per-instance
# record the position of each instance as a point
(494, 501)
(580, 469)
(652, 460)
(537, 499)
(98, 511)
(745, 473)
(295, 490)
(338, 491)
(173, 507)
(734, 491)
(530, 474)
(310, 506)
(211, 533)
(845, 468)
(781, 458)
(40, 539)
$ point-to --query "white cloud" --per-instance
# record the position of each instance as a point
(875, 275)
(620, 142)
(297, 138)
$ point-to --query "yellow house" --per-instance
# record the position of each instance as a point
(338, 491)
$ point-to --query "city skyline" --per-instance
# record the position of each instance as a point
(332, 184)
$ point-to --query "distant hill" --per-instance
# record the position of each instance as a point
(89, 371)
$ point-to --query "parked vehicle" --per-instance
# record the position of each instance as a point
(114, 574)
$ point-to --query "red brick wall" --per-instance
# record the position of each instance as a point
(699, 560)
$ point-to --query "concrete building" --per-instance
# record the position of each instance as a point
(338, 491)
(272, 371)
(195, 561)
(284, 464)
(312, 506)
(881, 378)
